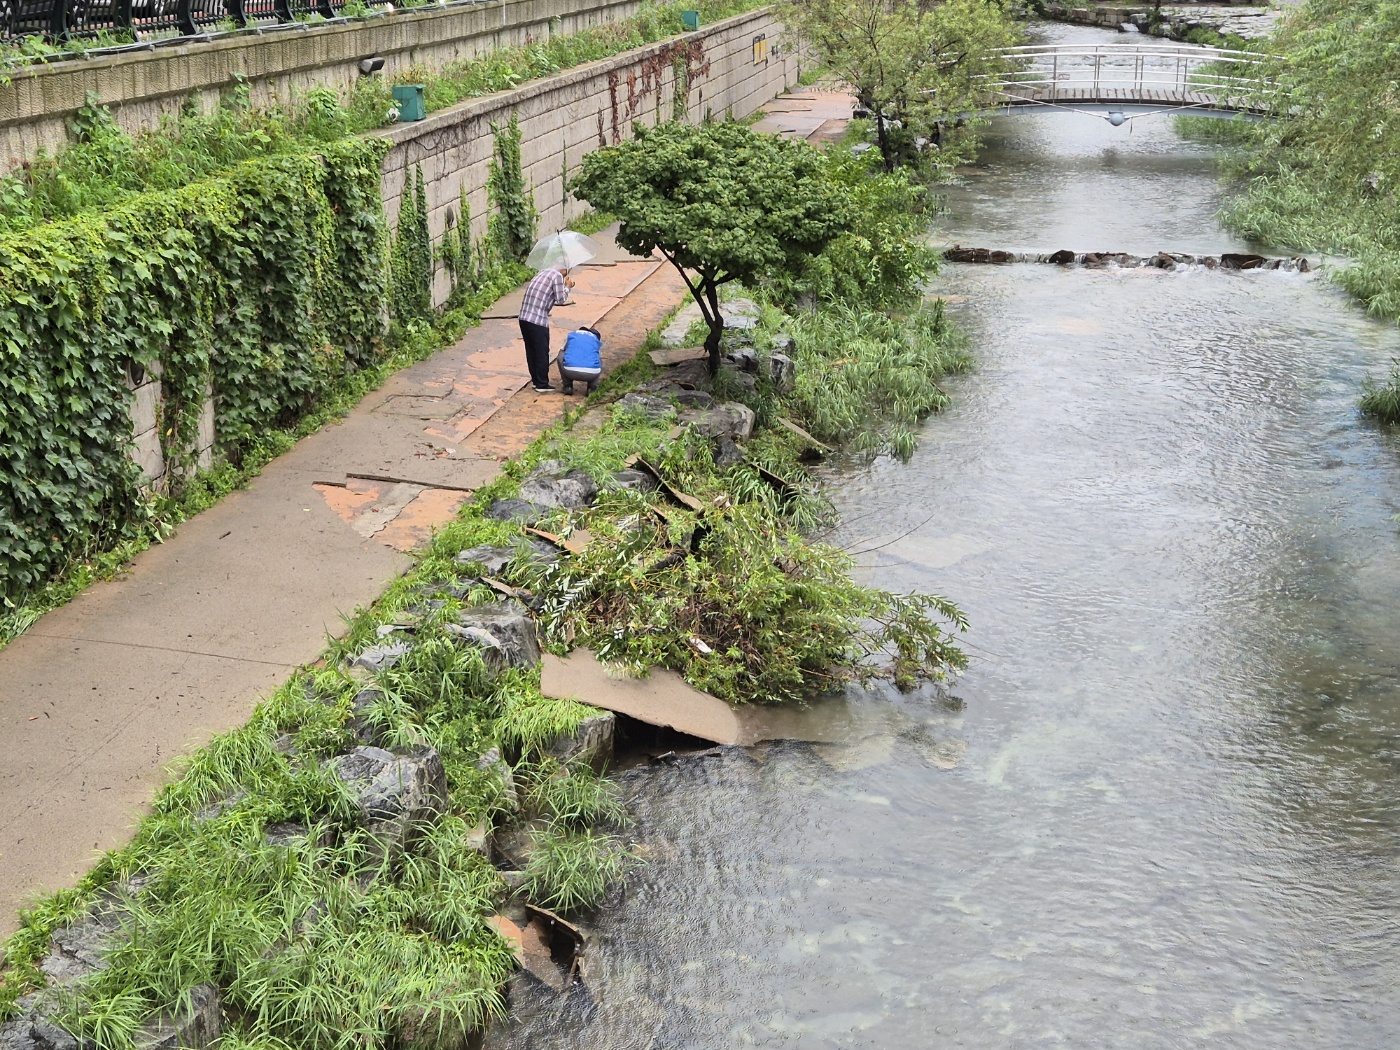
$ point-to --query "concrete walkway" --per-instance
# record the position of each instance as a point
(100, 695)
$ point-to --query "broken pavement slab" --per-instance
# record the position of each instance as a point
(662, 698)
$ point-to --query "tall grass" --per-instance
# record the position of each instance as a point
(1381, 400)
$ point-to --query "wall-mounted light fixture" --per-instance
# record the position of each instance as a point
(371, 65)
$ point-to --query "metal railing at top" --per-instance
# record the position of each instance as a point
(61, 21)
(1137, 68)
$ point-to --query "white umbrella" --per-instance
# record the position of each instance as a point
(565, 248)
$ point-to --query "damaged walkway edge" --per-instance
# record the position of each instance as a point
(101, 695)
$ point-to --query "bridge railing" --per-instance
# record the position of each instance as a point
(1141, 70)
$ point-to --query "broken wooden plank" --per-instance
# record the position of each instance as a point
(677, 356)
(789, 425)
(662, 698)
(676, 495)
(575, 543)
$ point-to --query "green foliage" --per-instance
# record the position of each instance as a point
(263, 282)
(1382, 400)
(456, 252)
(917, 65)
(411, 265)
(570, 871)
(721, 202)
(882, 260)
(865, 378)
(1325, 174)
(511, 230)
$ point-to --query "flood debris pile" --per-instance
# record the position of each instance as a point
(396, 834)
(1125, 261)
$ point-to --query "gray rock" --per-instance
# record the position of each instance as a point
(590, 743)
(291, 834)
(80, 948)
(730, 419)
(636, 480)
(651, 407)
(693, 398)
(492, 762)
(784, 344)
(478, 839)
(394, 791)
(503, 631)
(361, 722)
(520, 510)
(491, 559)
(49, 1036)
(783, 371)
(745, 360)
(551, 485)
(220, 807)
(194, 1027)
(511, 847)
(727, 453)
(381, 657)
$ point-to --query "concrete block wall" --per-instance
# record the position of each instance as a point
(563, 118)
(147, 449)
(143, 87)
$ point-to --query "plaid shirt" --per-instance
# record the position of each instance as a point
(545, 291)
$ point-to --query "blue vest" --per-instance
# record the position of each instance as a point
(582, 350)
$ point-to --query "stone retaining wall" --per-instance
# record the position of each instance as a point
(141, 87)
(734, 67)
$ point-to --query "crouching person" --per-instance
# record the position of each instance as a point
(581, 360)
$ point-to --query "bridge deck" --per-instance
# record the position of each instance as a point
(1168, 98)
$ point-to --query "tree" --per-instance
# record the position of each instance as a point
(721, 202)
(916, 65)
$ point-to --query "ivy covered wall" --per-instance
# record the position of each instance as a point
(264, 284)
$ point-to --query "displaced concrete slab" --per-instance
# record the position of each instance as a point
(678, 356)
(662, 698)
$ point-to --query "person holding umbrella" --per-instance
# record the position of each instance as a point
(553, 256)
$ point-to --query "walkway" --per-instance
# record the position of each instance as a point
(100, 695)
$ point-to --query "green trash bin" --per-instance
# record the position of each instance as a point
(691, 19)
(408, 99)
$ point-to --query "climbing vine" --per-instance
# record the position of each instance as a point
(458, 257)
(512, 228)
(411, 267)
(262, 284)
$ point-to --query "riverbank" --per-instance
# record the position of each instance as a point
(356, 817)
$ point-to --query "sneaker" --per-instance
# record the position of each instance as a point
(546, 389)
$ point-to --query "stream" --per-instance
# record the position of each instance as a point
(1161, 808)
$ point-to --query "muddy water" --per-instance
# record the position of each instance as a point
(1164, 809)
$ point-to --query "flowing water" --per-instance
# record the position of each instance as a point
(1163, 809)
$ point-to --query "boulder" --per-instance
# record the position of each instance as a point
(394, 791)
(520, 510)
(651, 407)
(636, 480)
(1063, 257)
(730, 419)
(1241, 261)
(193, 1027)
(782, 370)
(1162, 261)
(79, 949)
(511, 846)
(727, 453)
(591, 742)
(503, 631)
(381, 657)
(693, 398)
(492, 560)
(745, 360)
(295, 835)
(361, 721)
(551, 485)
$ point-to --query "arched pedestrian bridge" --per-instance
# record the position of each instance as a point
(1122, 81)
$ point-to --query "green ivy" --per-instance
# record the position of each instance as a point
(512, 228)
(411, 295)
(263, 284)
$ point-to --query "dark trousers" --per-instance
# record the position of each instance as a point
(536, 338)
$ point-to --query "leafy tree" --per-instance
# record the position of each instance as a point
(917, 65)
(721, 202)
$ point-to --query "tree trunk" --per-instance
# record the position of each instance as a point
(882, 133)
(715, 320)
